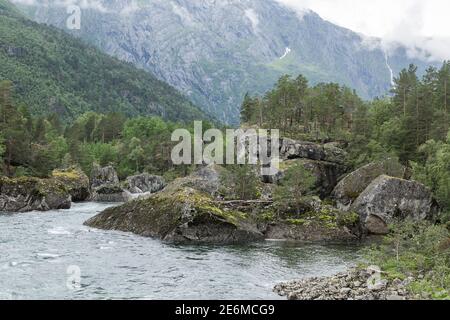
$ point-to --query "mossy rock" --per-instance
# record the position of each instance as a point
(76, 182)
(179, 214)
(29, 194)
(349, 188)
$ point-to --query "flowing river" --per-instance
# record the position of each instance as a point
(41, 252)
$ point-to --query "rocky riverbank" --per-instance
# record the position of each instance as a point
(355, 284)
(65, 186)
(192, 210)
(203, 207)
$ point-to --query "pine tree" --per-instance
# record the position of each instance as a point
(248, 109)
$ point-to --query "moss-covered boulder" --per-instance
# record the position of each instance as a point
(179, 214)
(388, 199)
(30, 194)
(350, 187)
(75, 181)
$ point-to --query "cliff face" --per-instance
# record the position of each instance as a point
(216, 51)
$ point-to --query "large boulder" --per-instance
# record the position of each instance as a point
(179, 214)
(207, 179)
(350, 187)
(76, 183)
(103, 176)
(326, 174)
(105, 186)
(292, 149)
(388, 199)
(144, 183)
(33, 194)
(111, 193)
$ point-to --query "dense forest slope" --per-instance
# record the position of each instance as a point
(216, 51)
(53, 72)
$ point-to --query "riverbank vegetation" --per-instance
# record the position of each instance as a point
(418, 252)
(411, 126)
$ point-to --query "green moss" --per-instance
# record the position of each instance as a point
(50, 186)
(297, 222)
(201, 204)
(347, 218)
(71, 174)
(268, 216)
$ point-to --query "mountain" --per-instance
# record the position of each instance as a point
(216, 51)
(54, 72)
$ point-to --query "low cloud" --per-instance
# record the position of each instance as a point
(421, 26)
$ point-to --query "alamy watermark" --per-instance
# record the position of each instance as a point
(73, 281)
(236, 146)
(73, 21)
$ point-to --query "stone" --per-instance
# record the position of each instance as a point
(375, 225)
(345, 291)
(105, 186)
(327, 288)
(186, 212)
(352, 185)
(76, 183)
(33, 194)
(392, 199)
(111, 193)
(103, 176)
(144, 183)
(179, 215)
(292, 149)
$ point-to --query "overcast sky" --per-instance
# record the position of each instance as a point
(423, 23)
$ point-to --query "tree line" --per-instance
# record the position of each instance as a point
(35, 145)
(412, 124)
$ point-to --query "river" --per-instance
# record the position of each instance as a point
(41, 252)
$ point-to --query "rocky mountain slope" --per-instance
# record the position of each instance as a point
(216, 51)
(53, 72)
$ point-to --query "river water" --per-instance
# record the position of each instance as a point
(51, 255)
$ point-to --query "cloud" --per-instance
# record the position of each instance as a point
(412, 23)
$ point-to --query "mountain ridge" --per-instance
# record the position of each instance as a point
(214, 52)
